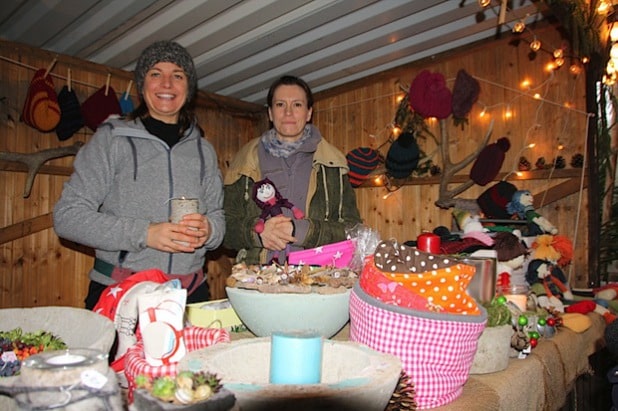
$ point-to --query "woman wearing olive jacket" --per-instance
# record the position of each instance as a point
(307, 170)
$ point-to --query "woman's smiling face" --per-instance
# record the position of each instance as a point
(289, 112)
(166, 88)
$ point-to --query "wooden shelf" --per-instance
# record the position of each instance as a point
(564, 173)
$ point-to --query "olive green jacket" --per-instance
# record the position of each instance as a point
(330, 209)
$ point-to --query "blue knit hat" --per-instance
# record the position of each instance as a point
(362, 161)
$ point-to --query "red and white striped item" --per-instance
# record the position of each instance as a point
(195, 338)
(436, 350)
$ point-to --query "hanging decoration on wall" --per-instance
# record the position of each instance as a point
(71, 118)
(100, 105)
(41, 110)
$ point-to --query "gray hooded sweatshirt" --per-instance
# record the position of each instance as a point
(123, 180)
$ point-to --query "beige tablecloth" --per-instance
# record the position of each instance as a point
(541, 381)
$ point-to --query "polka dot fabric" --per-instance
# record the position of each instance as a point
(440, 280)
(436, 350)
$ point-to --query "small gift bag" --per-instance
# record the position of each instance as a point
(337, 255)
(161, 316)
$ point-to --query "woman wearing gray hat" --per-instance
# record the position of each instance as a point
(118, 199)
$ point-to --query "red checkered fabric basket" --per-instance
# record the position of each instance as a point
(436, 350)
(195, 338)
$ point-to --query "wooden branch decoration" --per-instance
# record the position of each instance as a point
(447, 197)
(34, 161)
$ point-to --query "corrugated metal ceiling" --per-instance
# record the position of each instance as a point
(240, 46)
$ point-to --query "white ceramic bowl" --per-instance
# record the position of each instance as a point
(266, 313)
(354, 377)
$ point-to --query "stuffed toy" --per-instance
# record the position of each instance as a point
(272, 203)
(472, 227)
(548, 283)
(521, 205)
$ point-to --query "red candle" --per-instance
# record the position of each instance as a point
(428, 242)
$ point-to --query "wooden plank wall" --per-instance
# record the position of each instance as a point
(360, 114)
(38, 269)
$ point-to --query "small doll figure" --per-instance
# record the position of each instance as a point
(271, 202)
(548, 283)
(521, 205)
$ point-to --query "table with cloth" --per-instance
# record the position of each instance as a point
(541, 381)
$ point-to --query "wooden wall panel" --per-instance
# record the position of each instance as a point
(500, 66)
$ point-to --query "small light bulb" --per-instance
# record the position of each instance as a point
(519, 27)
(484, 3)
(560, 146)
(585, 60)
(613, 33)
(603, 7)
(558, 53)
(531, 145)
(559, 62)
(537, 96)
(575, 69)
(535, 45)
(508, 113)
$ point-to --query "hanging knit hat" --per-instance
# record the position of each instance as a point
(465, 93)
(168, 52)
(71, 118)
(402, 157)
(489, 161)
(429, 95)
(41, 110)
(362, 161)
(126, 104)
(99, 106)
(493, 201)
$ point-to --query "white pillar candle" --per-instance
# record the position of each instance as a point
(520, 300)
(295, 358)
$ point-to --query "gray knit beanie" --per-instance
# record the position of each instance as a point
(169, 52)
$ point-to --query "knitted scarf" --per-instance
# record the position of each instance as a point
(283, 149)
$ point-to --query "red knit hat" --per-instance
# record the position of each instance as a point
(41, 109)
(489, 162)
(429, 95)
(99, 106)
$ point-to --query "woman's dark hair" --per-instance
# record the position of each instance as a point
(289, 81)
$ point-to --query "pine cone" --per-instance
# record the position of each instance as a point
(577, 161)
(560, 162)
(403, 397)
(524, 164)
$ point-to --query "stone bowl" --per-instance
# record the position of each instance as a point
(353, 377)
(266, 313)
(77, 327)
